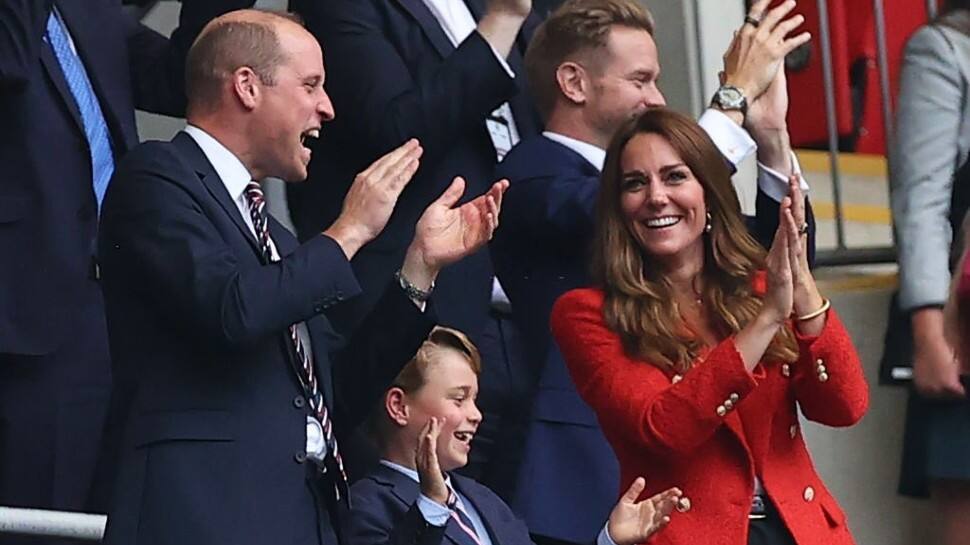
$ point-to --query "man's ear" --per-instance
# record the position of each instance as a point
(396, 407)
(247, 87)
(573, 82)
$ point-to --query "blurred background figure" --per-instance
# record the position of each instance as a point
(930, 195)
(71, 75)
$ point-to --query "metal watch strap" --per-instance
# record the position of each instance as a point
(413, 292)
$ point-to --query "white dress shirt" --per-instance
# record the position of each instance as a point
(235, 177)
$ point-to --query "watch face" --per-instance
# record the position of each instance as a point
(729, 97)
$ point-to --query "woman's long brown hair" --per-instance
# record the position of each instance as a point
(638, 297)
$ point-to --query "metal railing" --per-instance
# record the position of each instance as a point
(58, 524)
(842, 254)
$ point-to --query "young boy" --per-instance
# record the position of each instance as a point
(424, 430)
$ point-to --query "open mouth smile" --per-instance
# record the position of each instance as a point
(662, 222)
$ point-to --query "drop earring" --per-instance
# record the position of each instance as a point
(708, 226)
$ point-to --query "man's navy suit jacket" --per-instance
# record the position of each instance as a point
(393, 74)
(568, 479)
(205, 386)
(48, 213)
(385, 512)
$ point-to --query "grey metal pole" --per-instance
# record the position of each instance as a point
(828, 82)
(882, 63)
(931, 9)
(40, 522)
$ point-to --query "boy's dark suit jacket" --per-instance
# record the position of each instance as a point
(385, 512)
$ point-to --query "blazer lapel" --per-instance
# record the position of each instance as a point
(402, 486)
(407, 491)
(322, 336)
(214, 185)
(429, 25)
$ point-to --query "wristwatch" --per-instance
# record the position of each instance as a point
(413, 292)
(729, 97)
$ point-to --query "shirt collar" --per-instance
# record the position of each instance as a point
(229, 168)
(594, 154)
(411, 473)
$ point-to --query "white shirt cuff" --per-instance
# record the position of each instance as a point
(604, 538)
(433, 512)
(502, 61)
(775, 184)
(730, 138)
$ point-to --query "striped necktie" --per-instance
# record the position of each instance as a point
(461, 518)
(308, 377)
(95, 126)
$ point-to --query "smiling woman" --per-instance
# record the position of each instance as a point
(697, 347)
(670, 230)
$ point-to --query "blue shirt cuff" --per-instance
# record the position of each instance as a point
(433, 512)
(604, 538)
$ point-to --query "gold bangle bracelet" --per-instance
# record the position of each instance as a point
(826, 304)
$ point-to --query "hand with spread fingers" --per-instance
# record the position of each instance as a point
(446, 233)
(634, 520)
(756, 54)
(431, 477)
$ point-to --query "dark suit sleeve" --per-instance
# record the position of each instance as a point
(556, 210)
(22, 25)
(157, 64)
(370, 526)
(154, 229)
(387, 339)
(380, 97)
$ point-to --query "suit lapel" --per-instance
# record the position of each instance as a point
(402, 486)
(407, 491)
(213, 183)
(322, 335)
(429, 25)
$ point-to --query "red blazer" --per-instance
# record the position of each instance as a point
(712, 430)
